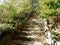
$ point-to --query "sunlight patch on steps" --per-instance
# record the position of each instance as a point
(34, 36)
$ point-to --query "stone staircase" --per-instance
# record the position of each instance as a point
(30, 33)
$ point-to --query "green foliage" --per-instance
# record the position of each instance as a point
(49, 8)
(13, 12)
(56, 35)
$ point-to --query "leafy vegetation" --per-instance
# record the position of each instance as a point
(49, 8)
(15, 11)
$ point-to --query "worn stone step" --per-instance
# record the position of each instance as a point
(27, 25)
(32, 31)
(35, 33)
(24, 35)
(34, 36)
(29, 29)
(28, 36)
(18, 41)
(34, 28)
(27, 43)
(21, 38)
(24, 29)
(21, 32)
